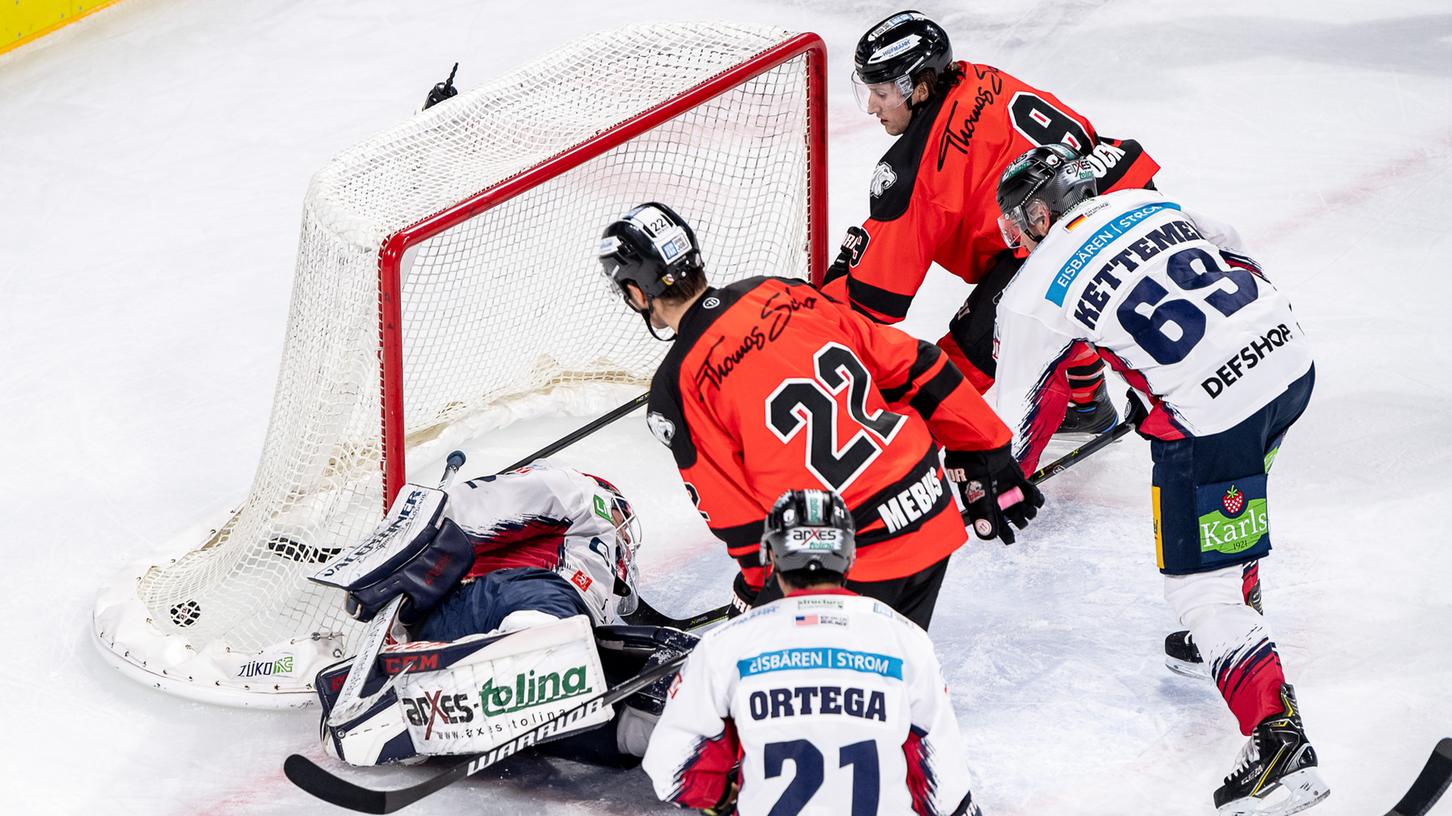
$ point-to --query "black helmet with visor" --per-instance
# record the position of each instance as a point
(893, 53)
(1053, 175)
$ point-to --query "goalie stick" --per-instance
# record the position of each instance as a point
(335, 790)
(351, 701)
(1430, 784)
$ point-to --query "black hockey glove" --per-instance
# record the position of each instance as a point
(984, 478)
(743, 597)
(728, 797)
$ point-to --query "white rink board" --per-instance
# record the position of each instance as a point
(154, 158)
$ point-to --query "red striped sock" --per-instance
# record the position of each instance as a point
(1086, 377)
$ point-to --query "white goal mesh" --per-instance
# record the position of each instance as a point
(479, 218)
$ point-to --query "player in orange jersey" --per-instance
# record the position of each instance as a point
(771, 387)
(932, 195)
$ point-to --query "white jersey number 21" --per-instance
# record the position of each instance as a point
(809, 765)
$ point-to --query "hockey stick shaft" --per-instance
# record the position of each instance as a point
(647, 615)
(1082, 452)
(1133, 415)
(350, 699)
(1430, 784)
(580, 433)
(335, 790)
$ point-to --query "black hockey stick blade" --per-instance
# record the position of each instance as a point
(647, 615)
(1133, 415)
(335, 790)
(1431, 783)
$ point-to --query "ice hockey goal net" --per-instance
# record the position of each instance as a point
(445, 272)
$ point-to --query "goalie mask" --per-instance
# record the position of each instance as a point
(1046, 181)
(627, 540)
(810, 530)
(893, 53)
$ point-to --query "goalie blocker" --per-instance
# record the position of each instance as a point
(416, 552)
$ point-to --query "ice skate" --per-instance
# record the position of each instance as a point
(1090, 420)
(1276, 773)
(1182, 656)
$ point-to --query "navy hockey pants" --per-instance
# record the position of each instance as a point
(480, 605)
(1209, 492)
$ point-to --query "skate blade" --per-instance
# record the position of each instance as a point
(1293, 794)
(1077, 438)
(1184, 668)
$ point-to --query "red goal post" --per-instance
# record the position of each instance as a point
(391, 255)
(446, 286)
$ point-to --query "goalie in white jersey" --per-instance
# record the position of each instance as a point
(831, 702)
(1171, 302)
(511, 581)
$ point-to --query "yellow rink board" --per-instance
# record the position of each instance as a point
(22, 21)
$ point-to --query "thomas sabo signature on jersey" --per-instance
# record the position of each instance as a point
(777, 311)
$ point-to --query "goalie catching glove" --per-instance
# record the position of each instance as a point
(415, 552)
(984, 478)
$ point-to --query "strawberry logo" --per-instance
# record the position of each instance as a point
(1233, 501)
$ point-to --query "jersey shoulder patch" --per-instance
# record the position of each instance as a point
(664, 417)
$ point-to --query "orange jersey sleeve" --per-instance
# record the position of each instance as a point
(933, 194)
(771, 387)
(917, 376)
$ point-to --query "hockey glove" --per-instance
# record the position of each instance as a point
(984, 478)
(743, 596)
(727, 804)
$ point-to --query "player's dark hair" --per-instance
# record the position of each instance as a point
(940, 84)
(691, 283)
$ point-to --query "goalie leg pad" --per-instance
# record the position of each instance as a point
(378, 736)
(473, 695)
(467, 696)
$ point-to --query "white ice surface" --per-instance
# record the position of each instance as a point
(153, 160)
